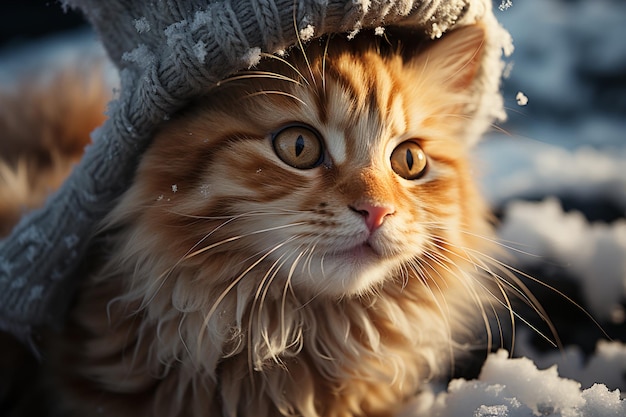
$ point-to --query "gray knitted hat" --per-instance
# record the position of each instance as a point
(167, 51)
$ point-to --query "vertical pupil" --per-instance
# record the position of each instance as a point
(409, 159)
(299, 145)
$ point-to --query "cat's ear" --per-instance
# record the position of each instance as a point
(456, 57)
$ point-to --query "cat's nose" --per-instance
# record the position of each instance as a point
(373, 215)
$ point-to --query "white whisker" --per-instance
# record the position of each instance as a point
(258, 74)
(234, 283)
(279, 93)
(289, 64)
(238, 237)
(514, 284)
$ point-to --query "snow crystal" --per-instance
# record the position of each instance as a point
(353, 33)
(174, 188)
(521, 98)
(176, 32)
(140, 55)
(492, 411)
(505, 5)
(307, 33)
(199, 50)
(252, 57)
(437, 32)
(379, 31)
(205, 190)
(142, 25)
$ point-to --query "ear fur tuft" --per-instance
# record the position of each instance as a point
(457, 56)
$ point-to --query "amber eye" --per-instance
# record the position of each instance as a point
(298, 146)
(408, 160)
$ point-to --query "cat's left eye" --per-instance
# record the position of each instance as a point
(408, 160)
(298, 146)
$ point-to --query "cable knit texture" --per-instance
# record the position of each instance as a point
(167, 51)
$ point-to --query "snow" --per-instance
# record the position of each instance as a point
(515, 387)
(505, 4)
(141, 55)
(521, 98)
(307, 33)
(200, 51)
(608, 364)
(556, 176)
(252, 57)
(142, 25)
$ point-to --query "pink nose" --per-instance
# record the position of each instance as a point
(373, 215)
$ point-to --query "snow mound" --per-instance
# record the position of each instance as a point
(608, 364)
(517, 388)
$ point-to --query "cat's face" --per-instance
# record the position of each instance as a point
(332, 174)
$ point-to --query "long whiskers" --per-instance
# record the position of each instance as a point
(289, 64)
(247, 75)
(301, 45)
(234, 284)
(238, 237)
(424, 271)
(164, 276)
(506, 277)
(278, 93)
(512, 283)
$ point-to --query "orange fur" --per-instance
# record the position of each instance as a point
(45, 125)
(234, 284)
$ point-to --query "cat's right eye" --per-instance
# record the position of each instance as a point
(298, 146)
(409, 161)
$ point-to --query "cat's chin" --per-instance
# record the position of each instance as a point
(359, 254)
(350, 272)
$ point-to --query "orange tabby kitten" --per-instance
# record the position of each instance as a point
(304, 240)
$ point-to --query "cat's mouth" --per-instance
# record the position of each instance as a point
(362, 252)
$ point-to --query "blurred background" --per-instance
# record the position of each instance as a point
(554, 173)
(24, 21)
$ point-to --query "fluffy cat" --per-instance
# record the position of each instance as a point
(305, 240)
